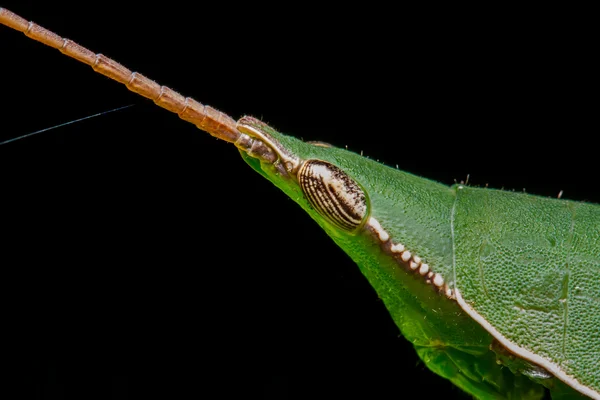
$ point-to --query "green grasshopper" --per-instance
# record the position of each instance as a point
(346, 229)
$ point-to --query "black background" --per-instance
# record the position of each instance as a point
(144, 258)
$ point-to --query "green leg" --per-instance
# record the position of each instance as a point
(479, 374)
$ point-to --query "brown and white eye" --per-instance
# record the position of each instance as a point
(333, 194)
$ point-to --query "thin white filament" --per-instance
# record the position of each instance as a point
(64, 124)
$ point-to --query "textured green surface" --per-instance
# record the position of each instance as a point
(523, 262)
(416, 212)
(531, 267)
(424, 225)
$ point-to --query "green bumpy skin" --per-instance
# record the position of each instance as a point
(531, 267)
(418, 213)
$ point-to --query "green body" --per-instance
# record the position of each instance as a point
(531, 267)
(521, 261)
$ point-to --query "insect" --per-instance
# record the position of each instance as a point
(132, 148)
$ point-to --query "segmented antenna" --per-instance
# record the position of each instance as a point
(204, 117)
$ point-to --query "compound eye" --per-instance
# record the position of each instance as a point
(333, 194)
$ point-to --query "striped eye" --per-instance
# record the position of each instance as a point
(333, 194)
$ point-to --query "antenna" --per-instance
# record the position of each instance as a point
(204, 117)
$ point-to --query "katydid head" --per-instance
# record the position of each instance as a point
(327, 188)
(333, 194)
(342, 192)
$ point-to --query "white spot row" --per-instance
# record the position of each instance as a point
(414, 262)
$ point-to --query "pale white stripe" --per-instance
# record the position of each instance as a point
(523, 353)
